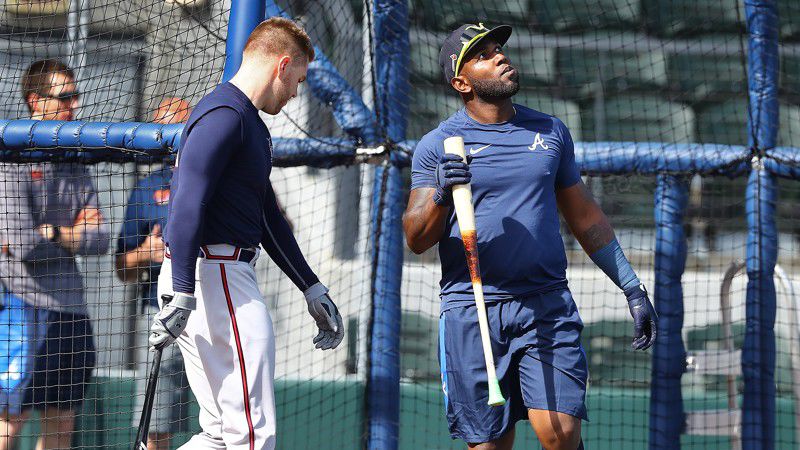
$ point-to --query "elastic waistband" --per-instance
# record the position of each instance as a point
(224, 252)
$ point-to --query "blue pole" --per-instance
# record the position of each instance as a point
(669, 354)
(758, 353)
(383, 383)
(390, 24)
(245, 16)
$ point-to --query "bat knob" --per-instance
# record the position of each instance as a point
(495, 395)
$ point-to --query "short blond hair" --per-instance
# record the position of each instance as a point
(278, 36)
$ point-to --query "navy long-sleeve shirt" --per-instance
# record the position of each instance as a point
(220, 191)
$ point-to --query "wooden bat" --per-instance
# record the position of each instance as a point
(465, 214)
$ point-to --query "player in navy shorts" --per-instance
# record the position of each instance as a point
(522, 171)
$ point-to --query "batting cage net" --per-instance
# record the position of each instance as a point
(685, 133)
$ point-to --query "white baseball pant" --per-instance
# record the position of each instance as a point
(228, 348)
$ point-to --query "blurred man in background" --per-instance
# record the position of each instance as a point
(50, 215)
(140, 252)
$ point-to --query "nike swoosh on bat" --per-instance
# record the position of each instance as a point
(475, 151)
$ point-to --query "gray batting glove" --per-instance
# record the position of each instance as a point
(325, 313)
(170, 322)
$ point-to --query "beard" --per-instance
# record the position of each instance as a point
(496, 89)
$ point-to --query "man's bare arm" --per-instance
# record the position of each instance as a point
(86, 224)
(424, 220)
(584, 217)
(149, 252)
(590, 226)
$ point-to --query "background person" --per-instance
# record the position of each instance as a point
(50, 215)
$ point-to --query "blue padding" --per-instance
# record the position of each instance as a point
(390, 22)
(656, 157)
(783, 162)
(762, 72)
(758, 352)
(142, 142)
(383, 380)
(147, 140)
(643, 157)
(29, 140)
(327, 153)
(95, 134)
(328, 85)
(16, 134)
(669, 354)
(392, 62)
(244, 17)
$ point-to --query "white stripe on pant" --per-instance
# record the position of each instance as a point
(229, 351)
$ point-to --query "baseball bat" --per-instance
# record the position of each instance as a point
(465, 214)
(149, 394)
(149, 398)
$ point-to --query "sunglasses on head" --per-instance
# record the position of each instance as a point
(63, 97)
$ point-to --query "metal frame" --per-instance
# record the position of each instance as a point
(727, 362)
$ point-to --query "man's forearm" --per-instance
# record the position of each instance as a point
(601, 245)
(89, 235)
(423, 221)
(591, 228)
(82, 239)
(130, 263)
(585, 219)
(594, 236)
(280, 244)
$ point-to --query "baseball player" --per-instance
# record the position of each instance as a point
(522, 172)
(140, 251)
(222, 206)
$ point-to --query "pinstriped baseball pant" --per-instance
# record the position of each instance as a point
(228, 347)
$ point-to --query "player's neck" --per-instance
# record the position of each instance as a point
(250, 81)
(487, 112)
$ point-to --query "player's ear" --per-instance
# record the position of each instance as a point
(461, 84)
(283, 64)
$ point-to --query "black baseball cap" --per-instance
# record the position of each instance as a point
(462, 40)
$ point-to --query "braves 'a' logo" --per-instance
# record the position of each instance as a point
(537, 140)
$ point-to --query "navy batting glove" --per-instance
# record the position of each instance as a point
(450, 171)
(644, 316)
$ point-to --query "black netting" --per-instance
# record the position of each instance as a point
(640, 71)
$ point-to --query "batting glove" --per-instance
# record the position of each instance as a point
(325, 313)
(170, 322)
(644, 317)
(450, 171)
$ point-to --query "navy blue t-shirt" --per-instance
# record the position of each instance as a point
(147, 207)
(221, 192)
(516, 168)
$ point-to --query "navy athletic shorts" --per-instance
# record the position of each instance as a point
(539, 358)
(46, 357)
